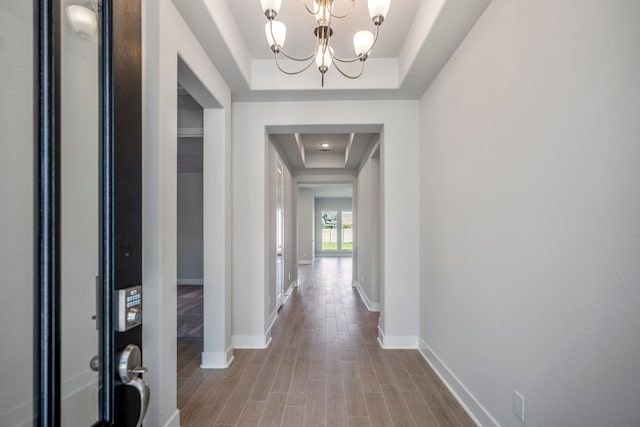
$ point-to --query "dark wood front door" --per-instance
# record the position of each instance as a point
(89, 290)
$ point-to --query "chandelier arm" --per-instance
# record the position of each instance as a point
(292, 73)
(347, 75)
(353, 5)
(281, 50)
(359, 57)
(307, 7)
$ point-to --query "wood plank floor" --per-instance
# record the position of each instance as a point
(324, 367)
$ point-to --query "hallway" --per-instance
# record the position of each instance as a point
(323, 367)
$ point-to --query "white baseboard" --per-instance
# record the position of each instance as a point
(293, 284)
(190, 281)
(371, 306)
(217, 360)
(174, 420)
(251, 341)
(469, 403)
(305, 261)
(272, 320)
(398, 342)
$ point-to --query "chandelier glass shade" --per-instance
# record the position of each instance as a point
(323, 54)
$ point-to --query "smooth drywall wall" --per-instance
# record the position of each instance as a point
(168, 45)
(530, 214)
(305, 225)
(398, 123)
(16, 212)
(368, 234)
(190, 232)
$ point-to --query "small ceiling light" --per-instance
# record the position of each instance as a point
(82, 19)
(324, 148)
(323, 12)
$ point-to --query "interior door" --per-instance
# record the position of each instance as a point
(279, 234)
(89, 267)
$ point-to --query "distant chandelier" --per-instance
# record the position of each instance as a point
(323, 56)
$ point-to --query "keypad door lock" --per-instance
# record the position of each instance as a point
(128, 308)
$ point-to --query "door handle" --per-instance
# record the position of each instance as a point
(144, 391)
(129, 370)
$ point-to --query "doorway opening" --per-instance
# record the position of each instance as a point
(336, 193)
(189, 218)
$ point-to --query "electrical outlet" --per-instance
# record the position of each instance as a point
(289, 276)
(518, 405)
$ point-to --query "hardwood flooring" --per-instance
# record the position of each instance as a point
(324, 367)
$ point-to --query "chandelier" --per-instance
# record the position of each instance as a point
(323, 54)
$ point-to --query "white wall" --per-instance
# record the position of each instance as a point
(399, 168)
(165, 36)
(530, 214)
(367, 278)
(190, 230)
(305, 225)
(16, 212)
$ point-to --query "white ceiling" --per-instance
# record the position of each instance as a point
(416, 39)
(323, 191)
(300, 24)
(304, 152)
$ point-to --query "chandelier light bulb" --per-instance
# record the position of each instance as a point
(378, 10)
(362, 42)
(279, 33)
(323, 59)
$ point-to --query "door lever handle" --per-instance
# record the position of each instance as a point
(144, 392)
(129, 370)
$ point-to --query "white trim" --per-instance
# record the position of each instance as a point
(371, 306)
(250, 341)
(174, 420)
(304, 261)
(469, 403)
(190, 132)
(217, 359)
(293, 284)
(272, 320)
(399, 342)
(380, 335)
(190, 281)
